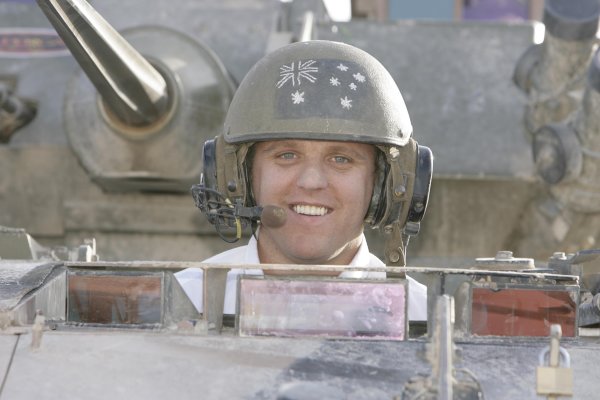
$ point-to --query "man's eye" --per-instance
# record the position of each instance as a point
(341, 160)
(286, 156)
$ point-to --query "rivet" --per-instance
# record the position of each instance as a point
(399, 190)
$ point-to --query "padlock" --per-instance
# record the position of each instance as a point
(554, 381)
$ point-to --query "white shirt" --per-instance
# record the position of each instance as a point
(191, 279)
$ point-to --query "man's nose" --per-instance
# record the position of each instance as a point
(313, 176)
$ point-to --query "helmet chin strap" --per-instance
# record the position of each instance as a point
(395, 249)
(400, 190)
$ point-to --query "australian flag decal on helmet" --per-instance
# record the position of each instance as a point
(322, 89)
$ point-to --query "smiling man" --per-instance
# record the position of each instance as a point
(326, 188)
(319, 131)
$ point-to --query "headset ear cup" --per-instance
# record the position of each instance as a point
(209, 164)
(413, 168)
(422, 184)
(205, 193)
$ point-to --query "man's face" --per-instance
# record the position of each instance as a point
(325, 188)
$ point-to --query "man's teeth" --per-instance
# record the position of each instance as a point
(310, 210)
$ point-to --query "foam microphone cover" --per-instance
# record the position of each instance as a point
(273, 216)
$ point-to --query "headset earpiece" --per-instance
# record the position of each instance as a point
(402, 197)
(206, 194)
(422, 183)
(209, 164)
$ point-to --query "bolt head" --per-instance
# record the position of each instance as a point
(399, 190)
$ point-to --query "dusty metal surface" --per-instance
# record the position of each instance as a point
(7, 347)
(18, 278)
(147, 365)
(174, 358)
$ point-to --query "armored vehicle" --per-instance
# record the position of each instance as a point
(104, 112)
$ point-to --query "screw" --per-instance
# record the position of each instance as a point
(231, 186)
(399, 190)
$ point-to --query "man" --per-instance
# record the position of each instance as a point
(319, 130)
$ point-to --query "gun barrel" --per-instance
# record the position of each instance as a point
(131, 87)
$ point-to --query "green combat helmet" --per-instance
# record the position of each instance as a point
(318, 90)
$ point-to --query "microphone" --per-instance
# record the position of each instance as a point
(273, 216)
(269, 215)
(224, 215)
